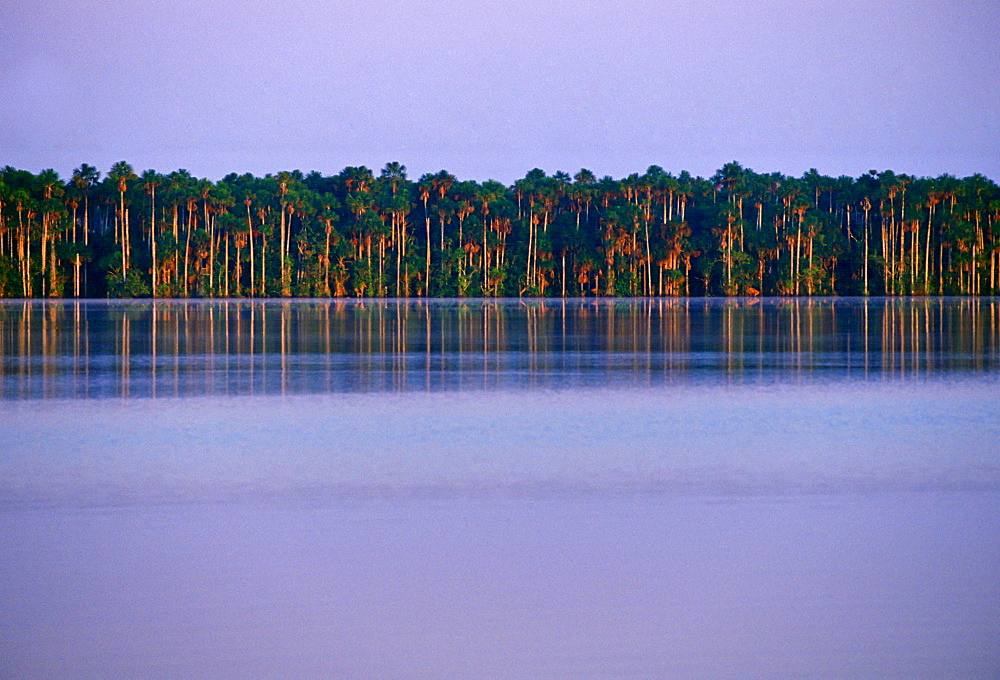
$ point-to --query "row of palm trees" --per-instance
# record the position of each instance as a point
(364, 234)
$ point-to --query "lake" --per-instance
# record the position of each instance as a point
(697, 488)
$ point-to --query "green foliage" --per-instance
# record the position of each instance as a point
(131, 286)
(361, 233)
(9, 278)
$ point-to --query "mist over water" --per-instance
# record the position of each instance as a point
(500, 489)
(773, 439)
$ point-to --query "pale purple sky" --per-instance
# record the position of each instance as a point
(493, 88)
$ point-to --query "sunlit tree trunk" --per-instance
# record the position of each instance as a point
(248, 202)
(798, 248)
(187, 253)
(24, 253)
(866, 206)
(123, 233)
(210, 229)
(326, 258)
(152, 229)
(86, 219)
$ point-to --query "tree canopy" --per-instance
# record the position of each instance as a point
(366, 233)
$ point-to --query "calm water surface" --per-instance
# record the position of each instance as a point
(483, 489)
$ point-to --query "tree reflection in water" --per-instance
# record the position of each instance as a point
(68, 349)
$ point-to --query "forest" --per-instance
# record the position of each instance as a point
(365, 234)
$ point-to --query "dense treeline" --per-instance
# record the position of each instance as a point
(364, 234)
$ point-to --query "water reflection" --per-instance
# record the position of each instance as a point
(70, 349)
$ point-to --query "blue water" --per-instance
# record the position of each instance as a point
(481, 489)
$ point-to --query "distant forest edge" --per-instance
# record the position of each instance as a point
(366, 234)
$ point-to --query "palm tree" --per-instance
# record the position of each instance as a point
(51, 187)
(328, 216)
(84, 177)
(866, 205)
(424, 188)
(150, 180)
(490, 193)
(72, 201)
(24, 205)
(442, 182)
(121, 173)
(685, 191)
(398, 206)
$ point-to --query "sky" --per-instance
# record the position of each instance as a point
(489, 89)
